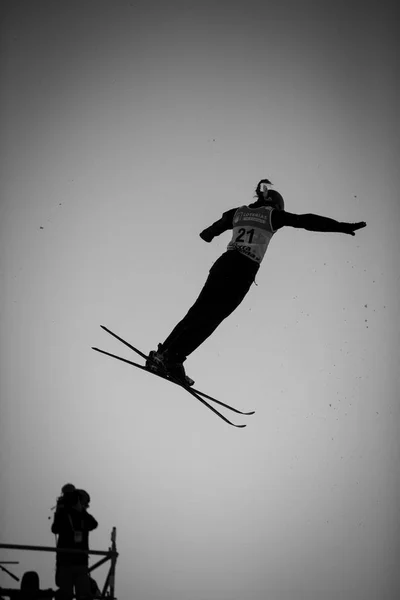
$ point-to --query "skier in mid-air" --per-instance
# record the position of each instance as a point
(231, 276)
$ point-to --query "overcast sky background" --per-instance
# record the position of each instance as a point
(126, 129)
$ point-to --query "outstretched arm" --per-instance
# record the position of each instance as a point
(223, 224)
(311, 222)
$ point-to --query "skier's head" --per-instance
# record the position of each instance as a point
(268, 197)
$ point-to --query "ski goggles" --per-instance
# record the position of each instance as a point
(265, 186)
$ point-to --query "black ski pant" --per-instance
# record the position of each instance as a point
(228, 282)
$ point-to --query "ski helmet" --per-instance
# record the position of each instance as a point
(276, 198)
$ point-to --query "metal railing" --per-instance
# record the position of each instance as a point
(111, 555)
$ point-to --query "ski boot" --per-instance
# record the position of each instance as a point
(156, 362)
(176, 370)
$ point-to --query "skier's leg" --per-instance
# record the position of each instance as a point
(229, 281)
(226, 298)
(206, 296)
(204, 316)
(188, 319)
(167, 358)
(227, 284)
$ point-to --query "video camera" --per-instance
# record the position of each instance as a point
(70, 496)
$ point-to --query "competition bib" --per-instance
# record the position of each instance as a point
(252, 231)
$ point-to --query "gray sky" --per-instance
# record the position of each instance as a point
(126, 129)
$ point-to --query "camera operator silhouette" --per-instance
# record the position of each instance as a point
(72, 523)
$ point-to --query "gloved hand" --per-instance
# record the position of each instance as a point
(350, 228)
(206, 235)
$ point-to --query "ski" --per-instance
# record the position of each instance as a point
(240, 412)
(195, 393)
(130, 362)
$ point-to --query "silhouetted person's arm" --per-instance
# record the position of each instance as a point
(223, 224)
(311, 222)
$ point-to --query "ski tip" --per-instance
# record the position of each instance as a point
(108, 330)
